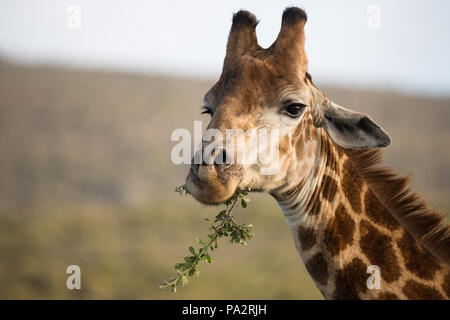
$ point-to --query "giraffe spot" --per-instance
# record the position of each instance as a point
(352, 186)
(339, 231)
(329, 188)
(419, 261)
(351, 281)
(378, 213)
(418, 291)
(318, 268)
(378, 248)
(388, 296)
(446, 285)
(307, 238)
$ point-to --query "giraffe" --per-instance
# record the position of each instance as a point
(346, 211)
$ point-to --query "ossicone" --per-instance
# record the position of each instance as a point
(242, 37)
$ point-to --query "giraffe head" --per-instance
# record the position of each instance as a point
(271, 89)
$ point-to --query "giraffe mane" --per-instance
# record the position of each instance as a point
(427, 226)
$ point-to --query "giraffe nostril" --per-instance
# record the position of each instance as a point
(197, 161)
(221, 157)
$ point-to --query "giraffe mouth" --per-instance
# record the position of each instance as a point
(192, 175)
(211, 190)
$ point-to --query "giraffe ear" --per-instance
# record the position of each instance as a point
(353, 130)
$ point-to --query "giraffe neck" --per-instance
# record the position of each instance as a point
(342, 230)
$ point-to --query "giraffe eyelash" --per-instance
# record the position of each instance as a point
(206, 110)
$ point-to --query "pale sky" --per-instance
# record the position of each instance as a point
(410, 51)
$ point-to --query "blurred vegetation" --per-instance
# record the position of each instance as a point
(126, 253)
(86, 179)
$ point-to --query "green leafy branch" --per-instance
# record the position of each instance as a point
(224, 225)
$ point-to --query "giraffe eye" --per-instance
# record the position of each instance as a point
(295, 109)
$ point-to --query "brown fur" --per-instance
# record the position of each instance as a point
(307, 238)
(446, 285)
(417, 291)
(417, 260)
(242, 37)
(329, 188)
(351, 280)
(378, 213)
(339, 232)
(427, 226)
(388, 296)
(351, 185)
(378, 249)
(314, 204)
(318, 268)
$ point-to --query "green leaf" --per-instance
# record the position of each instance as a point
(221, 214)
(200, 241)
(222, 226)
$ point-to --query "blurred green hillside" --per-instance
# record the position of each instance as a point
(86, 179)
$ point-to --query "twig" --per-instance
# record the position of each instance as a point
(228, 228)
